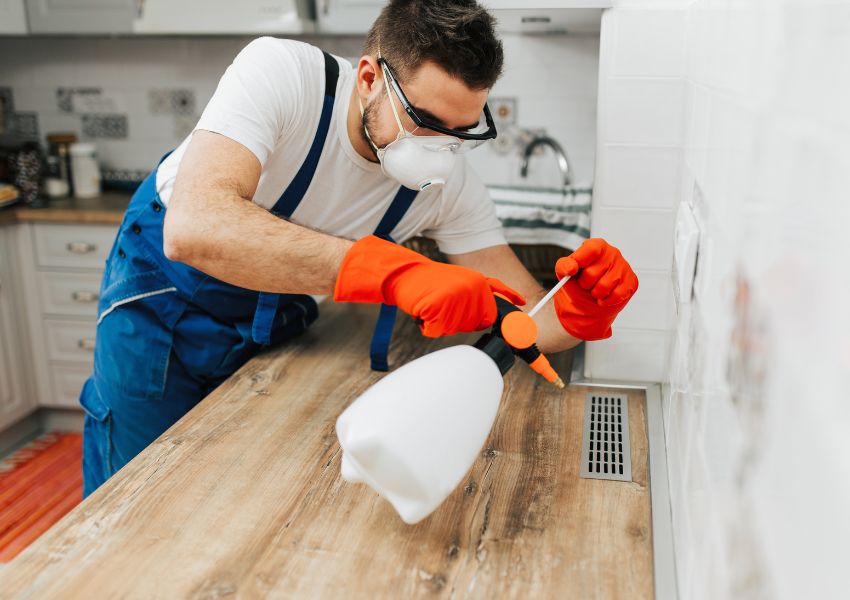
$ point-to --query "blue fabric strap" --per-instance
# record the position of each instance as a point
(291, 197)
(382, 336)
(261, 328)
(294, 193)
(380, 347)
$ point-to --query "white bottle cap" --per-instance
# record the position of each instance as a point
(82, 149)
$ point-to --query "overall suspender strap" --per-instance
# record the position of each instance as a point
(294, 193)
(291, 197)
(382, 336)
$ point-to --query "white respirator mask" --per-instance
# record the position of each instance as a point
(416, 161)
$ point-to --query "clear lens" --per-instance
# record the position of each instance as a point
(467, 145)
(438, 143)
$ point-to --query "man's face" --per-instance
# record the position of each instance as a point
(433, 93)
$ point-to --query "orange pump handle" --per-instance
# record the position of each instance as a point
(519, 330)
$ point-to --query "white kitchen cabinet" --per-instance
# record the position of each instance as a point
(223, 17)
(548, 16)
(15, 399)
(63, 265)
(82, 16)
(13, 17)
(347, 16)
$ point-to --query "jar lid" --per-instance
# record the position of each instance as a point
(82, 148)
(62, 137)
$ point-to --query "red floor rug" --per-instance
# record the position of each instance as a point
(39, 484)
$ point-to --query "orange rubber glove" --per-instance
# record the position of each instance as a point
(588, 304)
(447, 298)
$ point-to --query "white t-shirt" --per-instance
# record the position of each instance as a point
(270, 99)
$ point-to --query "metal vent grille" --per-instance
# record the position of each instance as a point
(605, 448)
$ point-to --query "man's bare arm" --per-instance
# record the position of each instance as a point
(501, 262)
(212, 225)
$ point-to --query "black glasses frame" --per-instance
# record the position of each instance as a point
(430, 124)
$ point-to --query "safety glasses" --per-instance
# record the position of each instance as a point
(472, 136)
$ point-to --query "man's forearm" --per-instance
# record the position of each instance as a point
(238, 242)
(552, 337)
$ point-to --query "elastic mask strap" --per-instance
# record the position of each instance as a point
(366, 131)
(392, 104)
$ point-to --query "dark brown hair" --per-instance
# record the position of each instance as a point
(458, 35)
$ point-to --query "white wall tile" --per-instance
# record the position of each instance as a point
(630, 354)
(638, 176)
(649, 43)
(642, 111)
(645, 237)
(652, 305)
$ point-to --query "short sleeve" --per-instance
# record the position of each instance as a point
(468, 221)
(256, 97)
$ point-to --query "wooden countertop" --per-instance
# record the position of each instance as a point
(243, 498)
(108, 208)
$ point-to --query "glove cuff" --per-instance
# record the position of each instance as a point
(367, 268)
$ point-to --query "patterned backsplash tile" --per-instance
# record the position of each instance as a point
(65, 96)
(105, 126)
(122, 178)
(171, 101)
(24, 124)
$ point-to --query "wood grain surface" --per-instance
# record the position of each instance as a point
(243, 498)
(107, 208)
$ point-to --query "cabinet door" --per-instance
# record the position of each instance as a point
(347, 16)
(14, 403)
(12, 17)
(81, 16)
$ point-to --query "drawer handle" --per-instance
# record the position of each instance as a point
(84, 296)
(81, 247)
(86, 344)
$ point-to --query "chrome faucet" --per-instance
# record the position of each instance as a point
(563, 161)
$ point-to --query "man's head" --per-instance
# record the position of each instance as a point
(444, 55)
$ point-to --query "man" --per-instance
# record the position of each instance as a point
(296, 182)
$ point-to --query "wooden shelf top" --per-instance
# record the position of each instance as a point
(108, 208)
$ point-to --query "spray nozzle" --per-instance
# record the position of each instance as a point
(515, 333)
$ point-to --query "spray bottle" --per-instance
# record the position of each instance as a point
(414, 434)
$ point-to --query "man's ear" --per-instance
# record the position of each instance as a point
(368, 76)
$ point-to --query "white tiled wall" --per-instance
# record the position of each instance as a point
(642, 104)
(755, 408)
(553, 79)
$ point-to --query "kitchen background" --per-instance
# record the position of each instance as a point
(712, 131)
(138, 98)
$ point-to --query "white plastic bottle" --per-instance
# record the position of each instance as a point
(85, 171)
(413, 435)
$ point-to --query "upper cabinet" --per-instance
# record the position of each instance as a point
(523, 16)
(211, 17)
(545, 16)
(347, 16)
(275, 17)
(176, 17)
(13, 17)
(82, 16)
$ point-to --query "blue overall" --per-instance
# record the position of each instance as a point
(168, 334)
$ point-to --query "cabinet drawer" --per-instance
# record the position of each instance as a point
(65, 385)
(73, 294)
(70, 340)
(75, 246)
